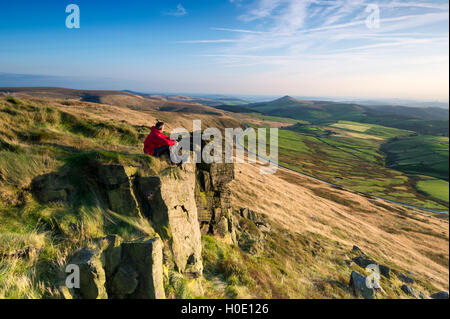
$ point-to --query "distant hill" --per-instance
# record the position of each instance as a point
(423, 113)
(401, 102)
(431, 121)
(311, 111)
(116, 98)
(208, 101)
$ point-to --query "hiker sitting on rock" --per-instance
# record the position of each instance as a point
(156, 144)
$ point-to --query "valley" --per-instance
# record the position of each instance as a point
(373, 159)
(73, 180)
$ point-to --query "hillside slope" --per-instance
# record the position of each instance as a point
(412, 240)
(430, 121)
(115, 98)
(73, 174)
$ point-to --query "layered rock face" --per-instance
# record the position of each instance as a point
(117, 181)
(171, 206)
(133, 270)
(212, 195)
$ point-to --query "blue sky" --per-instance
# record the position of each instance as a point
(296, 47)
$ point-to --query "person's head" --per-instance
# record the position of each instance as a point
(159, 125)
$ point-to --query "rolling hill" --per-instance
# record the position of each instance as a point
(208, 101)
(69, 173)
(117, 98)
(431, 121)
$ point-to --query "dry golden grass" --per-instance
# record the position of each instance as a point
(148, 118)
(413, 240)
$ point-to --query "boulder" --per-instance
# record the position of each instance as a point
(116, 181)
(92, 275)
(440, 295)
(364, 262)
(360, 289)
(141, 272)
(410, 291)
(405, 279)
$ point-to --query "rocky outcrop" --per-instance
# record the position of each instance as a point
(244, 228)
(168, 200)
(119, 270)
(140, 274)
(172, 201)
(440, 295)
(410, 291)
(356, 279)
(92, 275)
(172, 209)
(116, 181)
(29, 252)
(212, 194)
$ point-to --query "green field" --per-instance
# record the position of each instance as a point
(435, 188)
(422, 121)
(355, 161)
(373, 129)
(426, 155)
(277, 119)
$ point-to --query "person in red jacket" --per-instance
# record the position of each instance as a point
(156, 142)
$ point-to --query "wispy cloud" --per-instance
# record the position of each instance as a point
(298, 26)
(317, 39)
(208, 41)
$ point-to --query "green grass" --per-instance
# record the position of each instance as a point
(269, 118)
(372, 129)
(357, 162)
(435, 188)
(38, 138)
(425, 155)
(323, 113)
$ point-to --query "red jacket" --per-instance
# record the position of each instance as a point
(156, 139)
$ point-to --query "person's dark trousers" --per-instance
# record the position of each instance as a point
(160, 151)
